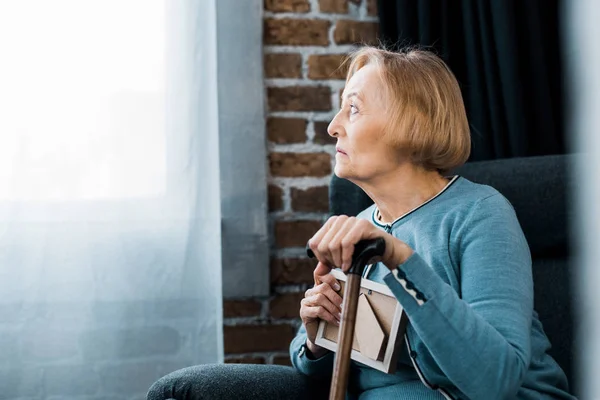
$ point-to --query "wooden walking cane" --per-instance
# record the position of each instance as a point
(364, 252)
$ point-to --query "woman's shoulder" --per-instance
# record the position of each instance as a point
(475, 203)
(469, 194)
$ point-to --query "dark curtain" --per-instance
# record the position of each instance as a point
(506, 55)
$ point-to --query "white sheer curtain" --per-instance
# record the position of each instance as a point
(583, 61)
(110, 252)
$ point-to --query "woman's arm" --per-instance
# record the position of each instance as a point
(303, 360)
(481, 340)
(321, 302)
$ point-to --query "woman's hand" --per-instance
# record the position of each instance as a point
(333, 244)
(320, 302)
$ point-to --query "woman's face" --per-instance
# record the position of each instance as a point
(359, 126)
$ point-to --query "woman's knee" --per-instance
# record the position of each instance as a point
(233, 381)
(178, 385)
(160, 389)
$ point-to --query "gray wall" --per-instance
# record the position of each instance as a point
(242, 148)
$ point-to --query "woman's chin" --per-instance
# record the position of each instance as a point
(341, 171)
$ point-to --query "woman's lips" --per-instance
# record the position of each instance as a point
(340, 151)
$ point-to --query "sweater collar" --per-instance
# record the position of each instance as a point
(376, 215)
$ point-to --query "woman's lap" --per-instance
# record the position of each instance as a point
(234, 381)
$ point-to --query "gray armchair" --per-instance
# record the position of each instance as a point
(538, 188)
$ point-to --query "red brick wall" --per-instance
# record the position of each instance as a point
(304, 43)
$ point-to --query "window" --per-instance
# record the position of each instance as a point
(82, 100)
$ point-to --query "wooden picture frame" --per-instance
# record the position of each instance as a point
(384, 311)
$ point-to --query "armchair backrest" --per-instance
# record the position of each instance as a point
(538, 189)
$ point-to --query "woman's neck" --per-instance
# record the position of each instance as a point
(402, 190)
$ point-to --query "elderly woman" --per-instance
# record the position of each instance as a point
(456, 257)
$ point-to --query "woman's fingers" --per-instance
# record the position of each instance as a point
(320, 271)
(332, 295)
(334, 238)
(321, 302)
(327, 247)
(334, 243)
(313, 243)
(360, 229)
(323, 294)
(326, 242)
(313, 312)
(344, 242)
(331, 281)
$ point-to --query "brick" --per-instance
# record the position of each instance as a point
(48, 345)
(321, 135)
(327, 66)
(297, 6)
(257, 338)
(283, 65)
(300, 164)
(106, 344)
(282, 360)
(296, 32)
(333, 6)
(295, 233)
(286, 130)
(299, 98)
(372, 8)
(285, 271)
(241, 308)
(286, 305)
(245, 360)
(71, 380)
(352, 32)
(314, 199)
(275, 198)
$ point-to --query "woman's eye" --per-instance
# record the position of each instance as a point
(353, 109)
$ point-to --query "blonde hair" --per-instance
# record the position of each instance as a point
(427, 115)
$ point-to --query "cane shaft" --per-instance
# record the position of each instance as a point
(364, 252)
(341, 367)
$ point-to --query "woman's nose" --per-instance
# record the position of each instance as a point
(334, 127)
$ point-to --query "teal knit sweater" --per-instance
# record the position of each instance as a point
(468, 293)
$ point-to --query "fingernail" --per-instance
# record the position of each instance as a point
(339, 316)
(344, 266)
(336, 286)
(337, 323)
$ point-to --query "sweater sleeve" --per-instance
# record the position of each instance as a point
(321, 367)
(480, 339)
